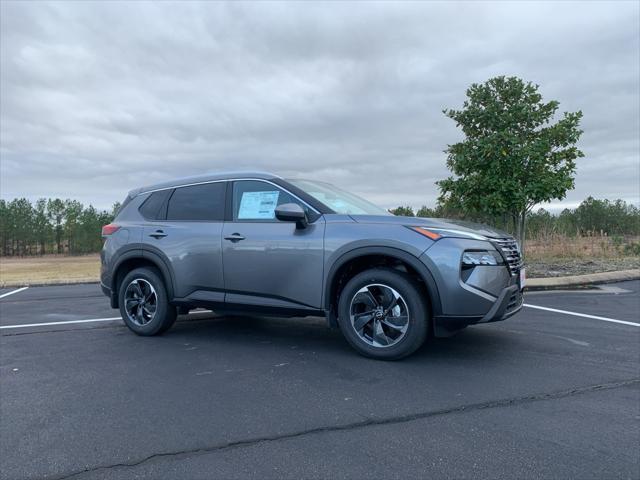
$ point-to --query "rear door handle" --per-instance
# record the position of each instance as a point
(234, 237)
(158, 234)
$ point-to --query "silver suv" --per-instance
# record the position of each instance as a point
(254, 242)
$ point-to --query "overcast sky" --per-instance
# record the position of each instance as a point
(100, 98)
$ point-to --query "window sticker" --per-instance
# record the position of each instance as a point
(258, 205)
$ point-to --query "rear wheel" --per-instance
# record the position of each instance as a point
(382, 314)
(144, 303)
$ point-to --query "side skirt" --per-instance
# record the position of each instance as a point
(243, 309)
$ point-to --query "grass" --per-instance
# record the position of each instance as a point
(558, 255)
(49, 269)
(555, 246)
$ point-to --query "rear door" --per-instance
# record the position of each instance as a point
(188, 233)
(268, 262)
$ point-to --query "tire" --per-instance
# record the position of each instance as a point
(384, 336)
(143, 319)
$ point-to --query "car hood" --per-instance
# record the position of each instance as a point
(460, 225)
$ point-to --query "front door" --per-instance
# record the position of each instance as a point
(268, 262)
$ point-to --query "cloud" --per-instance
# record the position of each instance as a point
(99, 98)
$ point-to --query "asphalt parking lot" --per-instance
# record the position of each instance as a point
(541, 395)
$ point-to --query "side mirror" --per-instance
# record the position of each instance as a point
(292, 212)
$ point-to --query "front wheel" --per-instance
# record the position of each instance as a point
(144, 303)
(382, 314)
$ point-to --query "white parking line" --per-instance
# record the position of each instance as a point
(12, 292)
(88, 320)
(575, 314)
(66, 322)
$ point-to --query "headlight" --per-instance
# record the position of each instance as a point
(480, 258)
(436, 233)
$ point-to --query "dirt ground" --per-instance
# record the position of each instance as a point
(562, 267)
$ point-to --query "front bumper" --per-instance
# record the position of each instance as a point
(469, 296)
(508, 303)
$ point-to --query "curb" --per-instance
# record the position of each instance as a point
(533, 284)
(559, 283)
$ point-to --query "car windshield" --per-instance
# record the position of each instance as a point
(338, 200)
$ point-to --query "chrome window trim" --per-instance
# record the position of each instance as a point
(231, 180)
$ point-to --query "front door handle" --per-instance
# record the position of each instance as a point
(234, 237)
(158, 234)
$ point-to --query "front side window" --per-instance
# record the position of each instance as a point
(254, 200)
(337, 199)
(198, 202)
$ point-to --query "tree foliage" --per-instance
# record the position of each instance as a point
(513, 156)
(50, 226)
(591, 217)
(403, 211)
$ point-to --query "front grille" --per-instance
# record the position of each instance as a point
(511, 252)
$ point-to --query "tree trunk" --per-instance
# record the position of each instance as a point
(523, 232)
(521, 229)
(58, 240)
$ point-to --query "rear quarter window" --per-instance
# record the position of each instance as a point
(150, 208)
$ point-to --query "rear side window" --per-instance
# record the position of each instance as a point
(150, 209)
(198, 202)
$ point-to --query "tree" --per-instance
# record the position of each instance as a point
(49, 225)
(115, 209)
(23, 225)
(72, 210)
(618, 217)
(42, 226)
(425, 211)
(512, 156)
(403, 211)
(540, 223)
(55, 211)
(5, 226)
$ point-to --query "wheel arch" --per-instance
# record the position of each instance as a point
(358, 259)
(138, 258)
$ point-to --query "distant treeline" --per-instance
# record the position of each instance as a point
(50, 226)
(592, 217)
(69, 227)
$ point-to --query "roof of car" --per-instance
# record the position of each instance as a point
(207, 177)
